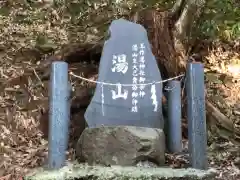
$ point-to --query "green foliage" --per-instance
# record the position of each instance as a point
(221, 20)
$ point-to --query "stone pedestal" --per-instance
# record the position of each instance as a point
(121, 145)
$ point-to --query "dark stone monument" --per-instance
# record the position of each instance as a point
(127, 59)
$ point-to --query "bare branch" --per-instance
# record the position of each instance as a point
(177, 8)
(190, 13)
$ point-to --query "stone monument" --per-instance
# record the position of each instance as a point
(127, 59)
(125, 114)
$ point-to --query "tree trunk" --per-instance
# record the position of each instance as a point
(169, 34)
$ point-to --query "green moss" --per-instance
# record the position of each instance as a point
(24, 19)
(5, 11)
(44, 43)
(85, 172)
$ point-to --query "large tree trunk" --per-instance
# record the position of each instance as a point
(169, 33)
(170, 36)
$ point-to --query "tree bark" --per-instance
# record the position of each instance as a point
(169, 33)
(170, 36)
(190, 13)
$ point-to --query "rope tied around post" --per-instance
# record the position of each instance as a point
(115, 84)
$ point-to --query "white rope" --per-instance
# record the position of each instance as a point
(112, 84)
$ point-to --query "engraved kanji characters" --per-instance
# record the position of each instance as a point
(120, 63)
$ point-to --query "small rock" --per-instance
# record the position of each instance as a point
(146, 164)
(121, 145)
(237, 162)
